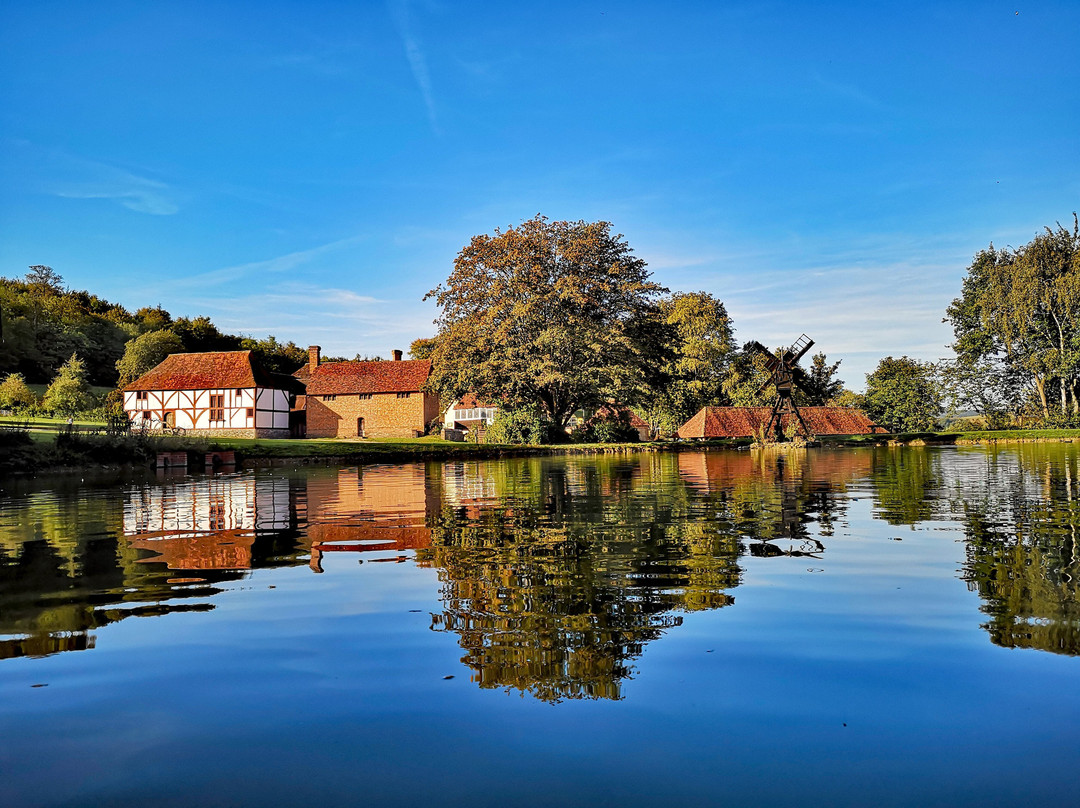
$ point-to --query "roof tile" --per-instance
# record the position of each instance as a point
(342, 378)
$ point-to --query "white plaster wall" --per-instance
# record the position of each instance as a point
(192, 408)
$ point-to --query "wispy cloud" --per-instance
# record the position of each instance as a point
(401, 13)
(342, 321)
(78, 178)
(278, 264)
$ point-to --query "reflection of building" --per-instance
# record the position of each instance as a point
(207, 522)
(370, 508)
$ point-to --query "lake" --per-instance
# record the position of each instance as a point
(886, 626)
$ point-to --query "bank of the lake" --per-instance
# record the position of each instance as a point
(50, 445)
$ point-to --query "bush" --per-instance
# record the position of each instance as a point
(520, 426)
(608, 427)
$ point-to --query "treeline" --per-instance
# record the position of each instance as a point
(551, 318)
(49, 332)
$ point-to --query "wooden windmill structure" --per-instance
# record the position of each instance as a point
(785, 374)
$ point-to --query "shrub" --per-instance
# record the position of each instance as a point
(518, 426)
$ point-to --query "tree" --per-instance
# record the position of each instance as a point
(558, 314)
(903, 394)
(1022, 308)
(422, 348)
(14, 392)
(746, 383)
(701, 345)
(146, 351)
(822, 381)
(69, 392)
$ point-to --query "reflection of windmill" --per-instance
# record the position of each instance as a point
(785, 373)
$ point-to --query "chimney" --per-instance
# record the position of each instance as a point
(313, 353)
(397, 356)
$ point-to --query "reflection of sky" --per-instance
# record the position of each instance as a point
(863, 677)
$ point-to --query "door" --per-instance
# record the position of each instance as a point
(170, 420)
(359, 427)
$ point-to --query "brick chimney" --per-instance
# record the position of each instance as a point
(313, 355)
(397, 356)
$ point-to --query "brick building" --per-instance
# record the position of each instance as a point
(380, 399)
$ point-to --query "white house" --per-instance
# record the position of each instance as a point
(226, 393)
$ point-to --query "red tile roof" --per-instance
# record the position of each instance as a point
(741, 422)
(469, 401)
(208, 371)
(342, 378)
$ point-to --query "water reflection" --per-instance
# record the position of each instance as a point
(554, 574)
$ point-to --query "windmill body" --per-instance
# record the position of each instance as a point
(785, 374)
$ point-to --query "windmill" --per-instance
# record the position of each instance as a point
(785, 373)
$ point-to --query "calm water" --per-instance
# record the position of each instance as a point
(843, 627)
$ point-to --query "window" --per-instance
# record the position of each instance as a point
(140, 395)
(403, 395)
(239, 392)
(250, 412)
(363, 396)
(146, 415)
(217, 408)
(329, 398)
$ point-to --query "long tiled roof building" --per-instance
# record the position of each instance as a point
(743, 422)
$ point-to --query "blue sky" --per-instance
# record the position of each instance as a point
(311, 169)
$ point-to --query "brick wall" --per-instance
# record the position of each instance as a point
(385, 415)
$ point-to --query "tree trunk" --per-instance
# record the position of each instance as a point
(1040, 385)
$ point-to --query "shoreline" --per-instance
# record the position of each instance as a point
(36, 456)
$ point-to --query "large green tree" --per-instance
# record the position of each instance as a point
(1021, 308)
(903, 395)
(145, 352)
(557, 314)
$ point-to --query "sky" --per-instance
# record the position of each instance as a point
(311, 169)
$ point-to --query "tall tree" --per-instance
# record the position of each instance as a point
(823, 383)
(903, 395)
(1022, 307)
(702, 344)
(559, 314)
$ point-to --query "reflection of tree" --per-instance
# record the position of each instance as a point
(904, 482)
(1022, 519)
(557, 573)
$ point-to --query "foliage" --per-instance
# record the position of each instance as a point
(608, 425)
(44, 323)
(903, 395)
(1019, 310)
(144, 352)
(847, 398)
(70, 391)
(422, 348)
(700, 346)
(747, 381)
(15, 393)
(822, 381)
(557, 314)
(275, 356)
(523, 425)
